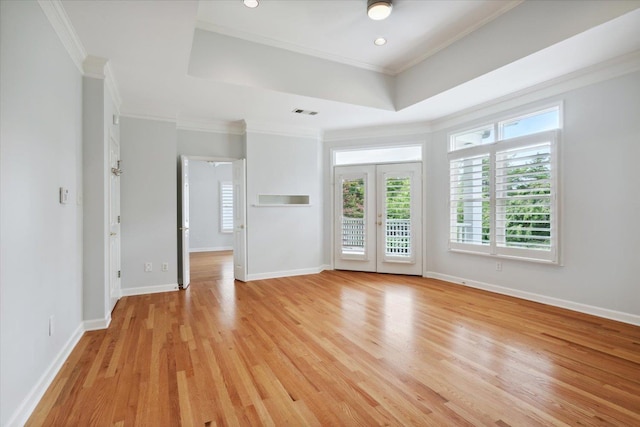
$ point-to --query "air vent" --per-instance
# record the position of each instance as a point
(307, 112)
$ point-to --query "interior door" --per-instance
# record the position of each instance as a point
(183, 267)
(114, 222)
(239, 220)
(378, 218)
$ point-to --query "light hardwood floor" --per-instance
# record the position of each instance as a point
(344, 348)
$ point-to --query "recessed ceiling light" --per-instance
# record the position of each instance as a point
(251, 3)
(380, 41)
(379, 9)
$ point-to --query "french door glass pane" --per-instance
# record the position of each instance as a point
(353, 216)
(398, 216)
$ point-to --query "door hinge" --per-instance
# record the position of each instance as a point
(118, 219)
(119, 274)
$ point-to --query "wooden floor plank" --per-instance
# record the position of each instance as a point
(344, 348)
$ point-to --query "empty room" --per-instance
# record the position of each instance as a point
(319, 212)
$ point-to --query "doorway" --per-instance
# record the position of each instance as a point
(378, 218)
(212, 212)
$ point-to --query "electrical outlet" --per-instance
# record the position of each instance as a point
(498, 266)
(148, 267)
(165, 266)
(51, 325)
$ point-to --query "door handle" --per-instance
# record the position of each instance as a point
(112, 234)
(241, 226)
(379, 222)
(183, 228)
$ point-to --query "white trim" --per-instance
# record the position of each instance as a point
(97, 324)
(393, 130)
(213, 126)
(606, 313)
(144, 290)
(212, 249)
(112, 87)
(287, 273)
(606, 70)
(149, 117)
(271, 129)
(509, 5)
(28, 405)
(59, 20)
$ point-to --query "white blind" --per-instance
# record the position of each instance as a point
(226, 207)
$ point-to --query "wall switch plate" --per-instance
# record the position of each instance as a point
(165, 266)
(148, 267)
(64, 196)
(498, 266)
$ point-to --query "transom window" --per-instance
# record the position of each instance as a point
(503, 187)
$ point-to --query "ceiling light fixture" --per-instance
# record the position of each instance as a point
(379, 9)
(380, 41)
(251, 3)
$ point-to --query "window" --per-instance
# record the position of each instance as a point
(226, 207)
(503, 191)
(378, 155)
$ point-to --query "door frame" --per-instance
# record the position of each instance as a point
(330, 203)
(373, 176)
(191, 158)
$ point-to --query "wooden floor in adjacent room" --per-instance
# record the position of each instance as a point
(344, 349)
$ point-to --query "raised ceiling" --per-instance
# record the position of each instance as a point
(218, 61)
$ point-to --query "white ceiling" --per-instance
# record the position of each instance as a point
(149, 45)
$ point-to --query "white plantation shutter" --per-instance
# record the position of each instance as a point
(503, 198)
(469, 204)
(226, 207)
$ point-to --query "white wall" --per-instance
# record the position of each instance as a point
(600, 244)
(149, 204)
(283, 240)
(204, 206)
(41, 240)
(210, 144)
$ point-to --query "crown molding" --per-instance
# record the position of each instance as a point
(603, 71)
(55, 13)
(292, 47)
(213, 126)
(507, 7)
(378, 132)
(271, 129)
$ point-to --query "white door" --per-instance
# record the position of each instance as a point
(114, 222)
(378, 218)
(183, 269)
(239, 221)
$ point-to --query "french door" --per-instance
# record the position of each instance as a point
(378, 218)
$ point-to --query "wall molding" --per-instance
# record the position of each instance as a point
(213, 126)
(406, 129)
(271, 129)
(212, 249)
(285, 273)
(530, 296)
(55, 13)
(28, 405)
(144, 290)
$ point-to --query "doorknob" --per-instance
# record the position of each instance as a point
(241, 226)
(112, 234)
(379, 222)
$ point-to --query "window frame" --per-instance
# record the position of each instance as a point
(552, 137)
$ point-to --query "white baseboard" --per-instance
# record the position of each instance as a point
(97, 324)
(28, 405)
(213, 249)
(127, 292)
(326, 267)
(530, 296)
(287, 273)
